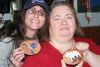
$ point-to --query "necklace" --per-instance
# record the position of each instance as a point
(33, 38)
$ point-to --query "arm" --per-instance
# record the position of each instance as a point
(92, 58)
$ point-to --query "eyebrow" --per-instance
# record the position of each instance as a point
(36, 9)
(69, 14)
(65, 15)
(56, 16)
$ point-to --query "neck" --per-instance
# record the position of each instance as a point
(30, 33)
(62, 47)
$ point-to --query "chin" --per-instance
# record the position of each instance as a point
(65, 39)
(35, 27)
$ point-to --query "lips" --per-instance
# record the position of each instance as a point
(64, 28)
(35, 21)
(65, 31)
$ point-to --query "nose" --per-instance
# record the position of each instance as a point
(64, 21)
(36, 15)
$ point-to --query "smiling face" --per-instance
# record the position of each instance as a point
(34, 18)
(62, 24)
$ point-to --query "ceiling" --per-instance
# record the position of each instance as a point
(5, 4)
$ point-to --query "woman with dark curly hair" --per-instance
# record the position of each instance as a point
(29, 24)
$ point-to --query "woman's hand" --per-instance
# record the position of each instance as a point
(82, 46)
(17, 57)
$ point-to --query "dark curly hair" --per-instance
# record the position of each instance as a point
(16, 29)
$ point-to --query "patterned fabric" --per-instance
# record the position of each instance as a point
(5, 50)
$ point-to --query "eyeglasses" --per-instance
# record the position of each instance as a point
(34, 11)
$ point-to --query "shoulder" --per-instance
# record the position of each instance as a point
(78, 39)
(92, 46)
(87, 40)
(6, 39)
(6, 43)
(82, 39)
